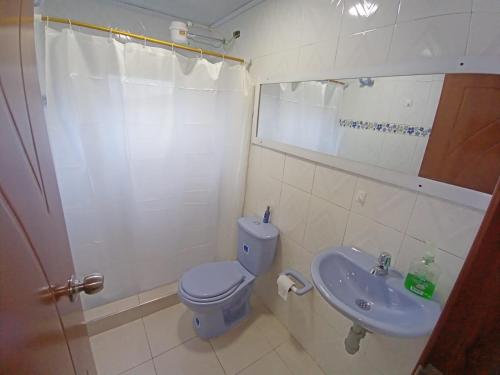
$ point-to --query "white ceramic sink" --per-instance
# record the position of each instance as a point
(381, 304)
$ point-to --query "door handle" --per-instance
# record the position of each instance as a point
(91, 284)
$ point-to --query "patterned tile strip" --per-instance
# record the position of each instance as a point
(386, 127)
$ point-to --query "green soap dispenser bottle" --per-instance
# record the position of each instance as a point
(423, 274)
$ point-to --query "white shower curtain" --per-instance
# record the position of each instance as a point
(150, 152)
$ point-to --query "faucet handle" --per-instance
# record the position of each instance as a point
(384, 259)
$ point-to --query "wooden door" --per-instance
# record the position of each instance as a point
(39, 335)
(464, 146)
(466, 339)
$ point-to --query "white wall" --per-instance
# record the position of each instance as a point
(110, 14)
(295, 38)
(313, 205)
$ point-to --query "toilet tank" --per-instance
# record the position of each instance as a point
(256, 244)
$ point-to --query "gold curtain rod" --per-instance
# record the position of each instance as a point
(184, 47)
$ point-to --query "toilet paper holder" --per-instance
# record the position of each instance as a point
(307, 286)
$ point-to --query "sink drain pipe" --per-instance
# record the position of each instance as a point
(356, 333)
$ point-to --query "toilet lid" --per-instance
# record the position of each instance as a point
(210, 280)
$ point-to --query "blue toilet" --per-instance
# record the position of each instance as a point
(219, 292)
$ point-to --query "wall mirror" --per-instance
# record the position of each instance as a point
(413, 128)
(382, 121)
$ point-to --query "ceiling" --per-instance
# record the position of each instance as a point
(206, 12)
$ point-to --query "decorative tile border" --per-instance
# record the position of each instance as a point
(386, 127)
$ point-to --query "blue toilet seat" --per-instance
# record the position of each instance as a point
(212, 282)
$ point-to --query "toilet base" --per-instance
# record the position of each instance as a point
(216, 322)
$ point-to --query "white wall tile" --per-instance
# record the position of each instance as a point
(272, 163)
(386, 204)
(359, 145)
(486, 6)
(411, 100)
(434, 37)
(329, 350)
(334, 185)
(278, 63)
(418, 155)
(450, 265)
(266, 162)
(262, 191)
(299, 173)
(295, 256)
(329, 314)
(433, 101)
(398, 152)
(368, 15)
(256, 27)
(321, 21)
(413, 9)
(371, 236)
(484, 36)
(364, 48)
(292, 213)
(380, 352)
(318, 57)
(325, 226)
(288, 23)
(449, 226)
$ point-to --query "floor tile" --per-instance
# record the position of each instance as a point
(269, 364)
(240, 347)
(264, 321)
(297, 359)
(120, 349)
(194, 357)
(145, 369)
(168, 328)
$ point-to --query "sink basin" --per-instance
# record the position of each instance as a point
(380, 304)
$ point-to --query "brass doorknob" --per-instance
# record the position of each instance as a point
(91, 284)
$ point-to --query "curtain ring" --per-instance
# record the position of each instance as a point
(144, 41)
(172, 49)
(110, 33)
(201, 54)
(70, 25)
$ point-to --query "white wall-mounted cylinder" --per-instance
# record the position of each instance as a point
(178, 32)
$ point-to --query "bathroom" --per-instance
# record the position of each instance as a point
(165, 164)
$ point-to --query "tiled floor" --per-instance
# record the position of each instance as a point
(165, 343)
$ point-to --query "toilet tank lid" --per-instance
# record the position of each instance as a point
(255, 227)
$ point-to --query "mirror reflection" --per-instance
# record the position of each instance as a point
(382, 121)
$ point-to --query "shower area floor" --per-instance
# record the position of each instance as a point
(165, 343)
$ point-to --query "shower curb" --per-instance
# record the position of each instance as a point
(105, 323)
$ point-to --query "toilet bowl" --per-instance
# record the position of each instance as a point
(219, 292)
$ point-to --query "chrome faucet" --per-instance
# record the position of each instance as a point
(382, 266)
